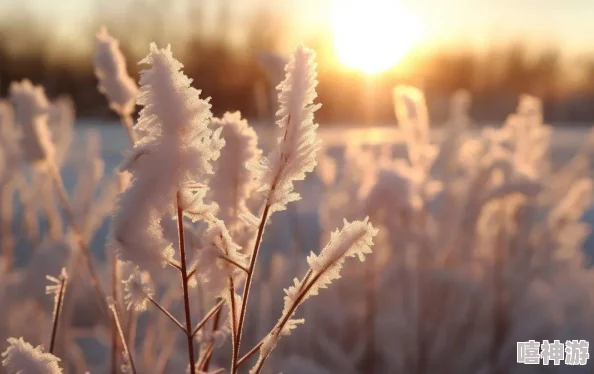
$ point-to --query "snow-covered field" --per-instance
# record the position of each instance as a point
(565, 143)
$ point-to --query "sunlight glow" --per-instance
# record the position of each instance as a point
(373, 35)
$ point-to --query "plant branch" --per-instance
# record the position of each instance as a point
(306, 286)
(59, 303)
(114, 328)
(184, 274)
(206, 357)
(235, 263)
(211, 313)
(174, 264)
(233, 314)
(116, 318)
(215, 326)
(250, 353)
(248, 283)
(192, 272)
(166, 312)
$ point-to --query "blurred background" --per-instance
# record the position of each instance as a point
(494, 49)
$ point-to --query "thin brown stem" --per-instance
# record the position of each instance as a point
(248, 283)
(174, 264)
(128, 124)
(184, 274)
(116, 318)
(211, 313)
(305, 286)
(312, 278)
(114, 328)
(234, 263)
(86, 252)
(252, 352)
(191, 273)
(215, 327)
(166, 312)
(206, 357)
(58, 307)
(233, 313)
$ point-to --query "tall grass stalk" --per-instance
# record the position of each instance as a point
(184, 276)
(116, 317)
(248, 284)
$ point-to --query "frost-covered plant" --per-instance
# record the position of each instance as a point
(177, 150)
(171, 167)
(293, 156)
(355, 239)
(32, 110)
(139, 290)
(295, 153)
(110, 69)
(57, 288)
(31, 114)
(60, 122)
(114, 82)
(167, 164)
(473, 249)
(22, 358)
(233, 184)
(478, 239)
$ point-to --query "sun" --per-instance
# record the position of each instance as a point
(372, 35)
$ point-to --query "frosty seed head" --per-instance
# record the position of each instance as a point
(295, 153)
(138, 289)
(31, 115)
(22, 358)
(110, 69)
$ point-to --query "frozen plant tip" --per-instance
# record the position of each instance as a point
(58, 289)
(218, 240)
(413, 121)
(139, 289)
(22, 358)
(233, 183)
(110, 69)
(60, 122)
(295, 153)
(353, 240)
(168, 165)
(31, 114)
(177, 150)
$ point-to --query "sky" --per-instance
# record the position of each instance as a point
(566, 24)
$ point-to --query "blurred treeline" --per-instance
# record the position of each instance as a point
(222, 59)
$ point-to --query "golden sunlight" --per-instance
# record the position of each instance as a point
(372, 35)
